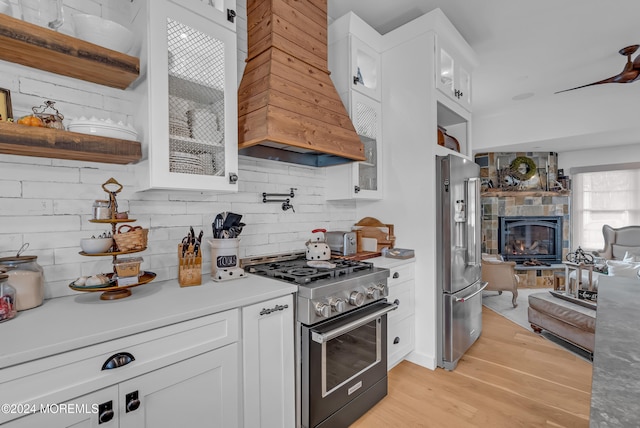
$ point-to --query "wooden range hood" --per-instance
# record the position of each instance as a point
(288, 108)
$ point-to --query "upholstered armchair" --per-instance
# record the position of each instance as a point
(500, 275)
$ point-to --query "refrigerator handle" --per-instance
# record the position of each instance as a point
(464, 299)
(472, 190)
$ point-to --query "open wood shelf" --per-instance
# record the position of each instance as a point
(53, 143)
(38, 47)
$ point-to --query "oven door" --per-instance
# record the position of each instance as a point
(344, 359)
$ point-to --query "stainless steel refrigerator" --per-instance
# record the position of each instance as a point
(458, 258)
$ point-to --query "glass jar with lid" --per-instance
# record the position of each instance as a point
(26, 276)
(101, 209)
(7, 299)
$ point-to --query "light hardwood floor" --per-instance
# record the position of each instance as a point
(509, 378)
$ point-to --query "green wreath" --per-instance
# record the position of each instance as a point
(518, 173)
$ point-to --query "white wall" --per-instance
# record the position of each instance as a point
(409, 180)
(600, 156)
(47, 202)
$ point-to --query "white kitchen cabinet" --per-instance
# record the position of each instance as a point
(188, 95)
(201, 388)
(268, 363)
(355, 71)
(360, 180)
(401, 322)
(354, 58)
(364, 63)
(452, 73)
(179, 374)
(87, 411)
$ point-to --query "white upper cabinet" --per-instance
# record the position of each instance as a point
(189, 95)
(355, 71)
(452, 73)
(365, 68)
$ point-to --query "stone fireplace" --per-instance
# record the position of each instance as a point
(533, 200)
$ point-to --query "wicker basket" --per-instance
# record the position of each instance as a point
(135, 238)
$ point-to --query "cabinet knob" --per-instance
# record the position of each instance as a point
(118, 360)
(233, 177)
(132, 400)
(396, 340)
(105, 412)
(356, 189)
(397, 302)
(396, 275)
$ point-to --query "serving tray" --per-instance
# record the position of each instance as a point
(112, 291)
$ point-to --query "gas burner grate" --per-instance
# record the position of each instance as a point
(299, 272)
(302, 271)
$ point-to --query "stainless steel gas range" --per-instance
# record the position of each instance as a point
(341, 333)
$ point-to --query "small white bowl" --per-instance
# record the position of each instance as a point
(103, 32)
(96, 245)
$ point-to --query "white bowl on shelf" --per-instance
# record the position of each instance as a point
(103, 128)
(96, 245)
(103, 32)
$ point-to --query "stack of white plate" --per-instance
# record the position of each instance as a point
(178, 124)
(185, 163)
(103, 128)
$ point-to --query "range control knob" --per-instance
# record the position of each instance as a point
(338, 305)
(356, 298)
(323, 310)
(373, 293)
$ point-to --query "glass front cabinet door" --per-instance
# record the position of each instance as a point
(452, 76)
(365, 68)
(360, 180)
(190, 95)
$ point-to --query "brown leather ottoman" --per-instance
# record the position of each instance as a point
(571, 322)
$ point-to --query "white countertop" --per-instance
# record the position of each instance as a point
(73, 322)
(389, 262)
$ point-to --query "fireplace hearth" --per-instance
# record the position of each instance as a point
(526, 238)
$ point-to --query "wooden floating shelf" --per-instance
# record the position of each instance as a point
(53, 143)
(38, 47)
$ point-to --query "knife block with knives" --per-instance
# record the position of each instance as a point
(189, 266)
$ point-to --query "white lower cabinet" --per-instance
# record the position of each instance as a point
(178, 375)
(401, 322)
(86, 412)
(268, 364)
(202, 388)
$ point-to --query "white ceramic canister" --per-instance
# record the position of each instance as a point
(27, 278)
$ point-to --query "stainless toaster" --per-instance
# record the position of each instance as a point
(343, 243)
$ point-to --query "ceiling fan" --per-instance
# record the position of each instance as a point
(630, 72)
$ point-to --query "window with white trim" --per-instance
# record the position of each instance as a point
(603, 197)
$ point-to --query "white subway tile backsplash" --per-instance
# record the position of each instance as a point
(29, 207)
(10, 189)
(9, 159)
(56, 190)
(26, 224)
(9, 244)
(16, 171)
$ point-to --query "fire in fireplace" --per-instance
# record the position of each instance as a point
(523, 238)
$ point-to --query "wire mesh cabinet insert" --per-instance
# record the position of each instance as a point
(190, 95)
